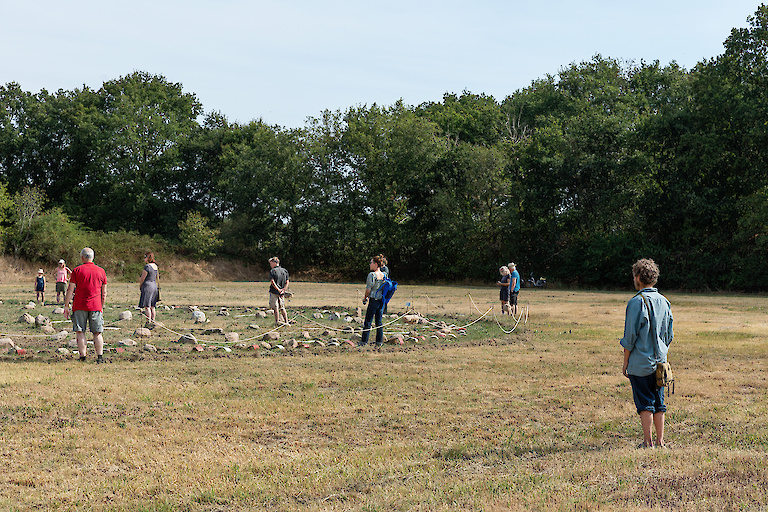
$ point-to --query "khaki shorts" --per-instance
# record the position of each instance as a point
(95, 319)
(276, 300)
(61, 287)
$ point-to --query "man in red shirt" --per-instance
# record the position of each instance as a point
(88, 284)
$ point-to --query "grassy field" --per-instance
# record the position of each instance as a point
(539, 418)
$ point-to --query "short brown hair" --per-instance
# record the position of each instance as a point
(379, 260)
(150, 257)
(647, 270)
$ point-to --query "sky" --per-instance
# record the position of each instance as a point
(283, 61)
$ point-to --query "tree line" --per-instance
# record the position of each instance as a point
(573, 177)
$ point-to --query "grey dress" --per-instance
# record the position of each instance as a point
(149, 294)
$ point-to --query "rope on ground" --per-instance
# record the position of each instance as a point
(342, 328)
(517, 321)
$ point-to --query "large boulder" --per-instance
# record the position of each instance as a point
(142, 332)
(271, 336)
(187, 338)
(26, 318)
(41, 320)
(60, 336)
(232, 337)
(126, 315)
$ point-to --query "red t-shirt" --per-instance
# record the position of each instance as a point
(88, 279)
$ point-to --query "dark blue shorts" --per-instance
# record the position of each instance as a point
(647, 396)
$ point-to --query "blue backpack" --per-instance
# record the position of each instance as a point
(387, 289)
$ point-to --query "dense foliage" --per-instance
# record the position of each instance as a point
(573, 177)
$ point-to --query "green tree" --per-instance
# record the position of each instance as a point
(197, 236)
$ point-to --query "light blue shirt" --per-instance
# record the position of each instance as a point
(515, 288)
(647, 335)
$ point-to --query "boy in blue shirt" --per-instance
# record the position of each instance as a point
(647, 335)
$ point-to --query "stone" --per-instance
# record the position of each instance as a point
(356, 337)
(198, 348)
(225, 349)
(317, 316)
(334, 316)
(6, 343)
(306, 335)
(265, 345)
(397, 339)
(223, 312)
(26, 318)
(411, 319)
(150, 348)
(142, 332)
(48, 329)
(187, 338)
(199, 317)
(72, 343)
(359, 312)
(273, 336)
(358, 320)
(215, 330)
(293, 343)
(127, 343)
(254, 326)
(59, 336)
(126, 315)
(41, 320)
(58, 311)
(63, 351)
(30, 305)
(261, 314)
(348, 319)
(327, 333)
(232, 337)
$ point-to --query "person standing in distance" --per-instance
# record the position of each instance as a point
(88, 285)
(278, 285)
(375, 308)
(514, 288)
(62, 276)
(647, 335)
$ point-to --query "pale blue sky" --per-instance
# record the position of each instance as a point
(284, 60)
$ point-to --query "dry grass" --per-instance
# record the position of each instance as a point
(539, 419)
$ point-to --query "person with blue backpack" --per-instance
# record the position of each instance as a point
(374, 297)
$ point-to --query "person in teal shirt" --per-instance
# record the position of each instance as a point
(647, 336)
(514, 287)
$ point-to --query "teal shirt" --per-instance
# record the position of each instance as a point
(647, 341)
(374, 285)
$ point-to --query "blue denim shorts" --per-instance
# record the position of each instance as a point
(647, 396)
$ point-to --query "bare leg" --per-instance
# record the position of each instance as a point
(98, 343)
(646, 419)
(658, 421)
(81, 347)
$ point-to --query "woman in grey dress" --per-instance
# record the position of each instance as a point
(149, 290)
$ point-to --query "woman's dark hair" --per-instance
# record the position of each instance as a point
(379, 260)
(150, 257)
